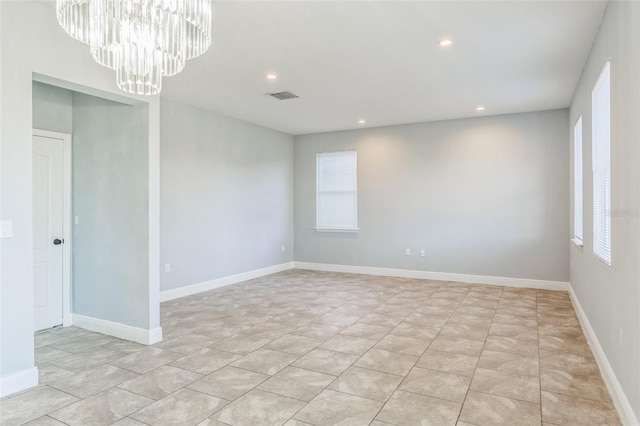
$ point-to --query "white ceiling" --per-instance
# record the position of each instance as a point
(379, 61)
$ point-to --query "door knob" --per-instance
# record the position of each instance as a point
(58, 241)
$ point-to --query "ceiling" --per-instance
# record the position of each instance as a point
(380, 61)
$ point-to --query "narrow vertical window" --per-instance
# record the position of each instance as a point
(336, 191)
(577, 183)
(601, 162)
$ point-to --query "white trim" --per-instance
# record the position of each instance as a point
(153, 150)
(18, 381)
(620, 400)
(188, 290)
(337, 229)
(439, 276)
(67, 220)
(127, 332)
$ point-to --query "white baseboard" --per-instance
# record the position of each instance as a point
(18, 381)
(188, 290)
(620, 400)
(122, 331)
(438, 276)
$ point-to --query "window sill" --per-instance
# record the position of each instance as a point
(578, 243)
(351, 230)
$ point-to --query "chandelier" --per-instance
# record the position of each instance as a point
(142, 40)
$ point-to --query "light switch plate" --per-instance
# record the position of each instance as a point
(6, 228)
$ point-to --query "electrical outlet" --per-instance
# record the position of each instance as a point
(283, 249)
(621, 339)
(76, 220)
(167, 267)
(407, 252)
(6, 229)
(423, 252)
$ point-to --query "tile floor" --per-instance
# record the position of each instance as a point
(313, 348)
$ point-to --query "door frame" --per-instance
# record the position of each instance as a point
(67, 224)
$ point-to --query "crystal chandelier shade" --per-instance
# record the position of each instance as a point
(142, 40)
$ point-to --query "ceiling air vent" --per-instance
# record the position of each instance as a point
(283, 95)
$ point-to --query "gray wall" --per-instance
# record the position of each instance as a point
(52, 108)
(483, 196)
(226, 196)
(610, 296)
(110, 196)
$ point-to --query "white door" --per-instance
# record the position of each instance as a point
(48, 202)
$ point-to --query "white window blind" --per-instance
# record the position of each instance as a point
(601, 162)
(337, 191)
(577, 183)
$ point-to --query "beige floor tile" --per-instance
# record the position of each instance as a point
(467, 331)
(297, 383)
(186, 344)
(83, 342)
(269, 330)
(91, 382)
(338, 319)
(457, 345)
(366, 383)
(448, 362)
(92, 358)
(146, 360)
(577, 346)
(294, 422)
(490, 410)
(185, 407)
(229, 382)
(569, 410)
(348, 344)
(337, 408)
(294, 344)
(102, 409)
(409, 409)
(387, 362)
(32, 404)
(325, 361)
(124, 346)
(381, 320)
(128, 421)
(415, 331)
(520, 332)
(48, 373)
(509, 385)
(158, 383)
(241, 344)
(265, 361)
(367, 331)
(571, 363)
(447, 386)
(258, 408)
(426, 320)
(205, 361)
(589, 386)
(403, 345)
(48, 354)
(511, 345)
(211, 422)
(316, 330)
(44, 421)
(509, 363)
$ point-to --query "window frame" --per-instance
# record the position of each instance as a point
(601, 170)
(578, 183)
(319, 228)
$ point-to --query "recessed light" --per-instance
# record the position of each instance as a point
(480, 108)
(271, 76)
(362, 121)
(445, 42)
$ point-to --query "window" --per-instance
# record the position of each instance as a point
(601, 159)
(336, 191)
(577, 183)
